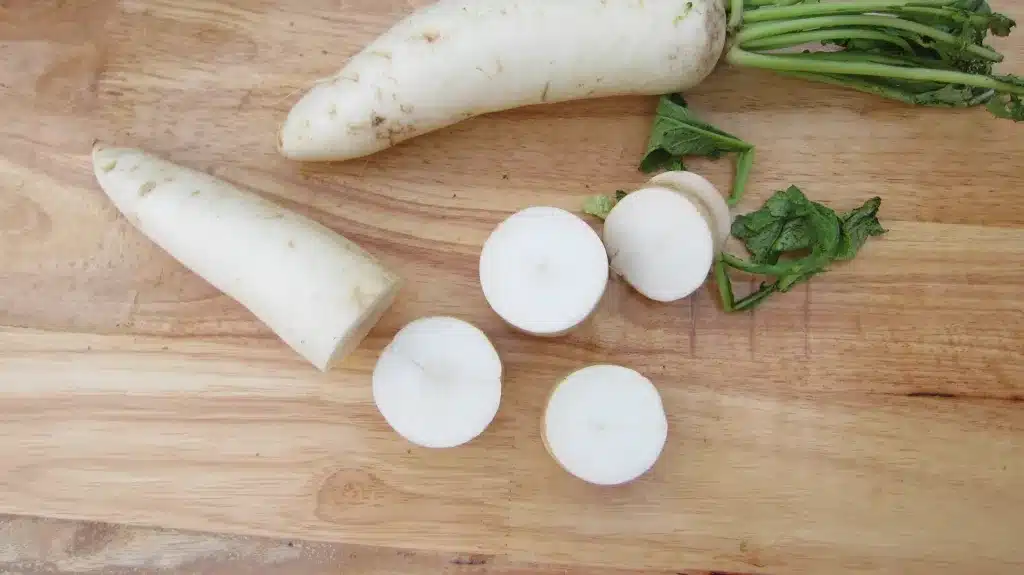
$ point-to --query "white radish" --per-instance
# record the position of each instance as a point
(319, 292)
(659, 243)
(543, 270)
(438, 383)
(456, 59)
(705, 196)
(605, 424)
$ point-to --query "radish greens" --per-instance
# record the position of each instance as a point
(791, 239)
(920, 52)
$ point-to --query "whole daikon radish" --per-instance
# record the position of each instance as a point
(319, 292)
(456, 59)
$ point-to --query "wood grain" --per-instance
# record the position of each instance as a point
(36, 546)
(871, 420)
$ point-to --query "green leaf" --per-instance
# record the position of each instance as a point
(1008, 106)
(858, 226)
(677, 133)
(601, 206)
(791, 239)
(598, 206)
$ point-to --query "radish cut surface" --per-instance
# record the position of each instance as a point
(708, 200)
(438, 383)
(543, 270)
(605, 424)
(660, 243)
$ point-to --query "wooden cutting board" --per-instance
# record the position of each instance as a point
(871, 420)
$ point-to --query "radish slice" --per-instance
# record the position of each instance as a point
(659, 243)
(605, 424)
(438, 383)
(543, 270)
(705, 195)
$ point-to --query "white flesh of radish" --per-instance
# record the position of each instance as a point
(543, 270)
(438, 383)
(605, 424)
(708, 200)
(319, 292)
(659, 243)
(456, 59)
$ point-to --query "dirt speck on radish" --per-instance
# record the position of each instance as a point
(431, 36)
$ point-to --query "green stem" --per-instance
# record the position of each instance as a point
(768, 29)
(951, 15)
(764, 3)
(807, 10)
(798, 38)
(735, 14)
(760, 269)
(724, 286)
(787, 63)
(857, 56)
(886, 91)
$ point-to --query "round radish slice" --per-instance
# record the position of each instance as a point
(659, 243)
(709, 201)
(438, 383)
(543, 270)
(605, 424)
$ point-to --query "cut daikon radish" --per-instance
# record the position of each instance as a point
(705, 196)
(543, 270)
(438, 383)
(319, 292)
(605, 424)
(659, 243)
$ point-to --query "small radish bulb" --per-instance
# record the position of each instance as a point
(438, 383)
(605, 424)
(705, 196)
(543, 270)
(659, 243)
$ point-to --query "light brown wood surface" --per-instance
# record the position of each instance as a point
(38, 546)
(871, 420)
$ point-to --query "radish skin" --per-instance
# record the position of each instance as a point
(659, 243)
(317, 291)
(438, 383)
(456, 59)
(543, 270)
(605, 424)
